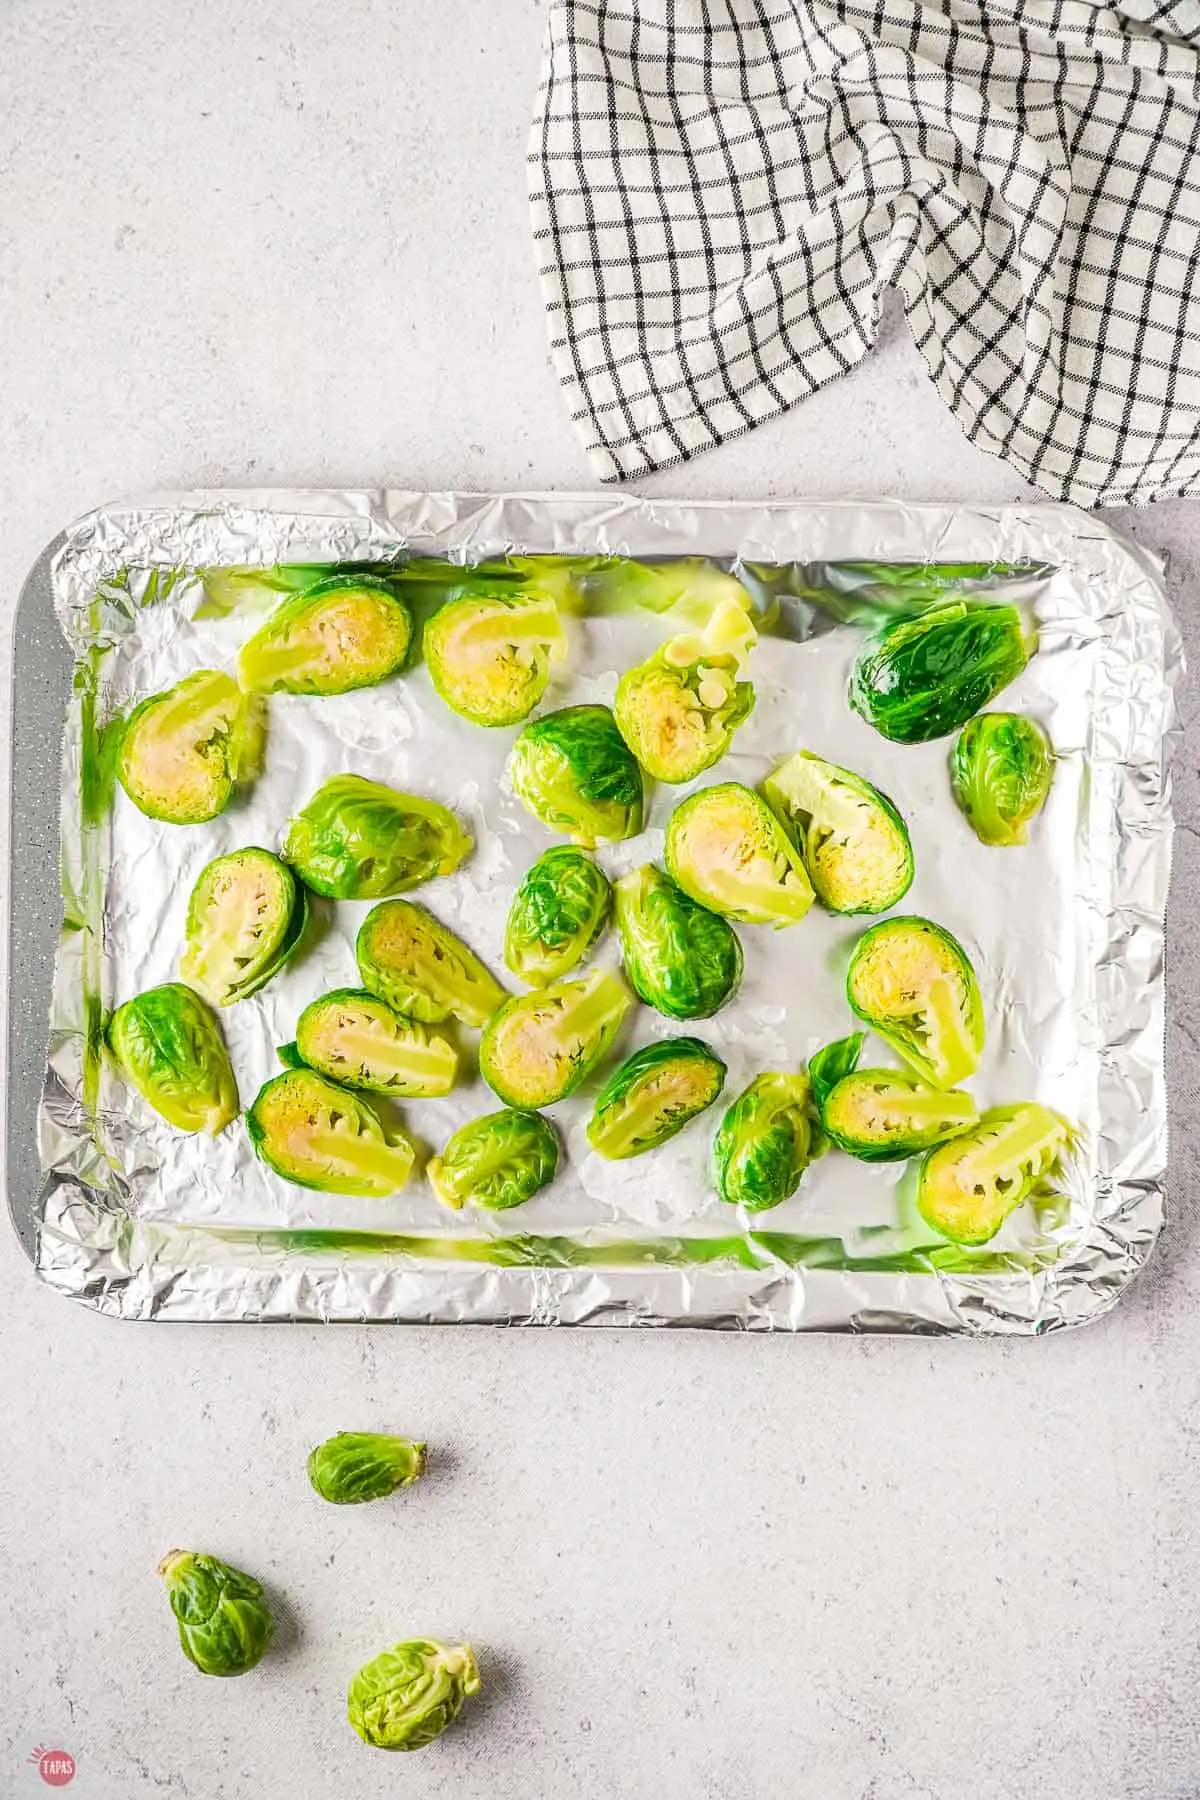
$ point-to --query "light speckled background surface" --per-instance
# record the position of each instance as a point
(287, 243)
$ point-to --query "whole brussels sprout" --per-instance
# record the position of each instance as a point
(343, 632)
(968, 1187)
(680, 958)
(1001, 767)
(558, 912)
(354, 1466)
(924, 677)
(497, 1161)
(913, 984)
(355, 1038)
(359, 840)
(168, 1045)
(854, 843)
(678, 711)
(537, 1048)
(406, 1696)
(653, 1095)
(418, 966)
(319, 1135)
(828, 1066)
(183, 751)
(765, 1142)
(575, 772)
(884, 1115)
(225, 1624)
(726, 848)
(489, 655)
(245, 918)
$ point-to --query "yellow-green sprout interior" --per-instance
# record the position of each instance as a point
(969, 1186)
(683, 1087)
(246, 901)
(313, 1133)
(362, 1042)
(911, 978)
(347, 637)
(728, 848)
(490, 659)
(881, 1107)
(177, 759)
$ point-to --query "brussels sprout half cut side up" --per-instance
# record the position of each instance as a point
(497, 1161)
(765, 1142)
(183, 751)
(1001, 768)
(913, 984)
(359, 840)
(355, 1038)
(225, 1624)
(854, 844)
(558, 912)
(319, 1135)
(968, 1187)
(348, 631)
(406, 1696)
(925, 677)
(653, 1095)
(678, 711)
(245, 918)
(575, 772)
(168, 1045)
(418, 966)
(538, 1048)
(726, 848)
(884, 1115)
(490, 656)
(355, 1466)
(679, 957)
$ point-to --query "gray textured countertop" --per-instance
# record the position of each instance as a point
(287, 243)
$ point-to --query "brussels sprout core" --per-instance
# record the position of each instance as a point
(558, 912)
(679, 957)
(490, 658)
(969, 1187)
(321, 1136)
(407, 1696)
(498, 1161)
(245, 918)
(653, 1095)
(355, 1466)
(355, 1038)
(575, 773)
(881, 1115)
(1001, 767)
(168, 1045)
(225, 1625)
(765, 1142)
(726, 848)
(925, 677)
(348, 631)
(539, 1047)
(182, 751)
(414, 963)
(854, 843)
(360, 840)
(912, 982)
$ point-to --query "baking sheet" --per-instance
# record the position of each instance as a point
(1066, 935)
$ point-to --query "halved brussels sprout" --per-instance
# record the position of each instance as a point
(359, 840)
(827, 1067)
(726, 848)
(558, 912)
(245, 918)
(319, 1135)
(680, 958)
(406, 1696)
(884, 1115)
(168, 1045)
(765, 1142)
(183, 751)
(345, 632)
(678, 711)
(913, 984)
(538, 1048)
(969, 1186)
(497, 1161)
(354, 1466)
(575, 772)
(924, 677)
(653, 1095)
(489, 656)
(854, 843)
(418, 966)
(1001, 768)
(355, 1038)
(225, 1624)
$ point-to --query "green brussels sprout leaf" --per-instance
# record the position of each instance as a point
(418, 966)
(924, 677)
(680, 958)
(913, 984)
(360, 840)
(406, 1696)
(653, 1095)
(183, 751)
(574, 771)
(726, 848)
(497, 1161)
(319, 1135)
(1001, 768)
(168, 1045)
(538, 1047)
(854, 844)
(558, 912)
(766, 1141)
(490, 656)
(245, 918)
(884, 1115)
(354, 1466)
(969, 1186)
(225, 1624)
(830, 1064)
(355, 1038)
(344, 632)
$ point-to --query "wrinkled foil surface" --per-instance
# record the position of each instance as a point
(1066, 935)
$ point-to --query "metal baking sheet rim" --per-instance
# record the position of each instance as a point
(128, 1268)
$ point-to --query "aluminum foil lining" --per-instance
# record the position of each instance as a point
(1066, 934)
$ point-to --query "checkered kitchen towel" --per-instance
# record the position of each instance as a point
(722, 189)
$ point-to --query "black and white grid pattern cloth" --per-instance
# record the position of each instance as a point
(722, 189)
